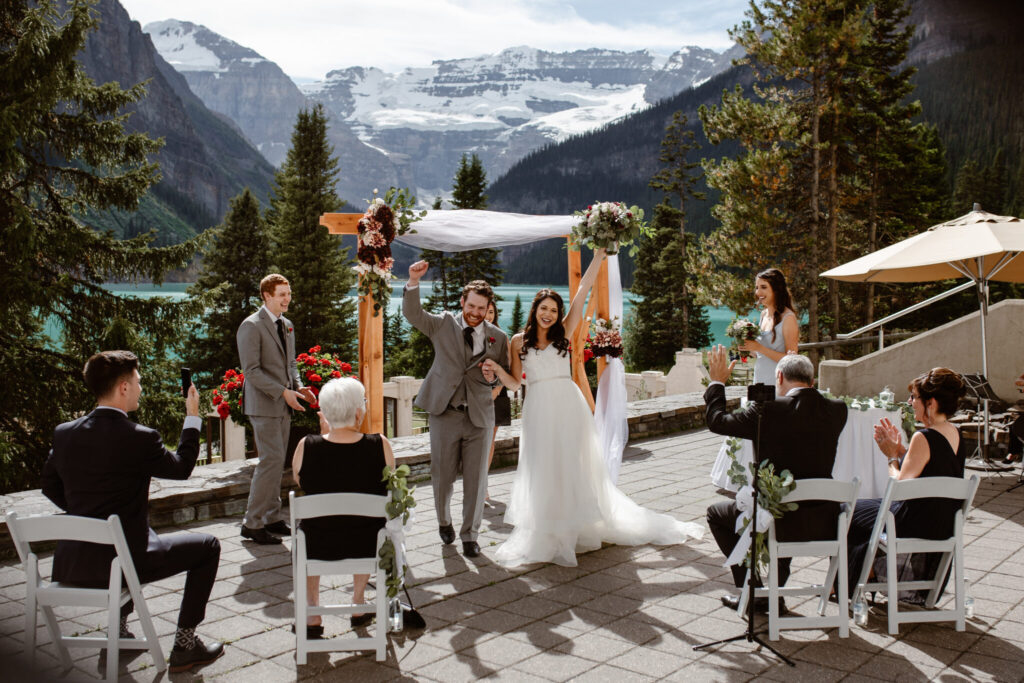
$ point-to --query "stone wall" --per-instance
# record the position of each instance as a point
(222, 488)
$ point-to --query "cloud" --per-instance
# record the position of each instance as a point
(308, 38)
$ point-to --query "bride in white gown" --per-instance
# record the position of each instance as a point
(563, 501)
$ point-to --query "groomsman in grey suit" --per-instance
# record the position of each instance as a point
(457, 395)
(266, 348)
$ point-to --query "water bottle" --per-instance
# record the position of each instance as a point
(860, 613)
(396, 621)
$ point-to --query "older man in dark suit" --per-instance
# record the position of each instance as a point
(101, 465)
(266, 349)
(799, 432)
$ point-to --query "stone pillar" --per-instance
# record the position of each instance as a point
(406, 389)
(233, 442)
(685, 376)
(653, 385)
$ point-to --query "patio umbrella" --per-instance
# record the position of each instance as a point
(980, 246)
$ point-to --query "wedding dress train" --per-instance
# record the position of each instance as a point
(563, 501)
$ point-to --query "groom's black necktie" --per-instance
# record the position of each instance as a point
(280, 334)
(467, 334)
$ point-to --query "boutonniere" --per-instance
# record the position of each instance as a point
(490, 340)
(290, 330)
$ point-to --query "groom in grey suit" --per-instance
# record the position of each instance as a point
(266, 348)
(457, 394)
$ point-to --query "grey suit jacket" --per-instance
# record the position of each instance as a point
(267, 372)
(452, 361)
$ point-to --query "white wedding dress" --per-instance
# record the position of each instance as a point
(563, 501)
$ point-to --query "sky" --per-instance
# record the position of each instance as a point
(308, 38)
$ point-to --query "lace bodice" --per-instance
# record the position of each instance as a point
(546, 363)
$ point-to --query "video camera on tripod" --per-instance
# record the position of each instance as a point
(760, 392)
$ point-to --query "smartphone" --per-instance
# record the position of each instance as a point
(186, 381)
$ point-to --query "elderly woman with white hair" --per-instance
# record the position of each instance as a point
(341, 460)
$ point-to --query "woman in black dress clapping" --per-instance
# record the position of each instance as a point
(341, 460)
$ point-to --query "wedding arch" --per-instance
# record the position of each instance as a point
(464, 230)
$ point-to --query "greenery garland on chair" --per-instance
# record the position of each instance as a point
(400, 505)
(771, 489)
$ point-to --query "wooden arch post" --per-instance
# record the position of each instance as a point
(371, 334)
(371, 328)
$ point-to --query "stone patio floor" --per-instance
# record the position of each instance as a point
(624, 614)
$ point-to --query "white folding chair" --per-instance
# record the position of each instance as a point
(829, 490)
(884, 538)
(322, 505)
(47, 595)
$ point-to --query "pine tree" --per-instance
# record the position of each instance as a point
(316, 266)
(517, 316)
(64, 154)
(468, 193)
(232, 267)
(444, 294)
(660, 273)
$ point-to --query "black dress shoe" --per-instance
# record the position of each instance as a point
(279, 528)
(261, 536)
(358, 620)
(760, 604)
(470, 548)
(447, 533)
(183, 659)
(312, 632)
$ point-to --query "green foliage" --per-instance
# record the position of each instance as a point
(303, 250)
(64, 154)
(518, 316)
(668, 317)
(401, 504)
(233, 264)
(477, 264)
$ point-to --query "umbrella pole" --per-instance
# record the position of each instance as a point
(980, 459)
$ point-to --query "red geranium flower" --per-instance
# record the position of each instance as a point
(345, 367)
(217, 398)
(587, 355)
(316, 392)
(229, 373)
(315, 378)
(314, 405)
(315, 349)
(223, 410)
(232, 386)
(335, 374)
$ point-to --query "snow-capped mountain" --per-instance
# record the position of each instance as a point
(233, 80)
(410, 128)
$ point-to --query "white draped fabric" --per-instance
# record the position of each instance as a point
(857, 454)
(610, 405)
(465, 229)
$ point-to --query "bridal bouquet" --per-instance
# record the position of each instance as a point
(609, 225)
(606, 339)
(227, 398)
(741, 330)
(384, 220)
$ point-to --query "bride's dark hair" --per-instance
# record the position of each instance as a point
(556, 333)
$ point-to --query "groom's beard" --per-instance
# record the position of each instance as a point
(472, 320)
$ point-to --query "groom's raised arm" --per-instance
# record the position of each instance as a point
(427, 323)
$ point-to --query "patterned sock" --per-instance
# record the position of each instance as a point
(185, 639)
(124, 632)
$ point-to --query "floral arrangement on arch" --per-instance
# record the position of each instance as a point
(605, 338)
(227, 398)
(610, 225)
(316, 368)
(385, 219)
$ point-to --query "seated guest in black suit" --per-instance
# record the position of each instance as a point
(341, 460)
(799, 432)
(934, 451)
(101, 465)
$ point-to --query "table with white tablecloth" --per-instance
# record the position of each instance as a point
(857, 454)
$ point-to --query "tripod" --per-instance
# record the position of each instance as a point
(980, 389)
(752, 636)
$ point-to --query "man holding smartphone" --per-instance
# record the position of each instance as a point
(266, 349)
(101, 465)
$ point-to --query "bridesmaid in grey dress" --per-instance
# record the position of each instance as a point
(780, 332)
